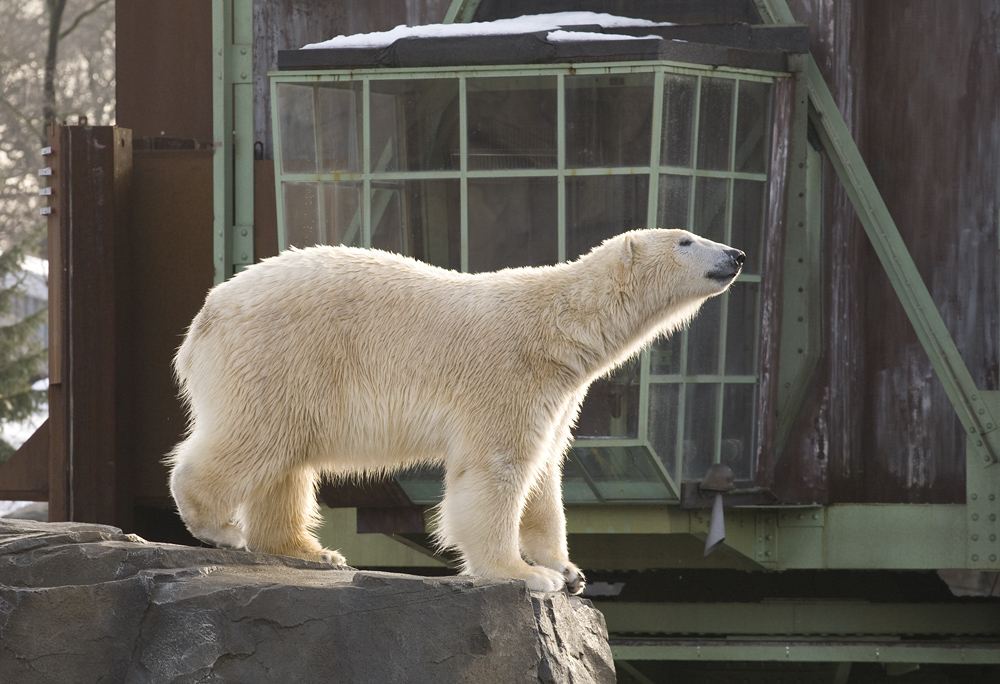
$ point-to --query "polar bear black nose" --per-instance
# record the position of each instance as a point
(737, 256)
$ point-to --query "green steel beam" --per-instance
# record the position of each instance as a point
(461, 11)
(222, 162)
(856, 619)
(241, 76)
(829, 651)
(232, 130)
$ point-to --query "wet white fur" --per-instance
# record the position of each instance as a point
(346, 360)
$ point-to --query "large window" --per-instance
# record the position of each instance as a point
(480, 169)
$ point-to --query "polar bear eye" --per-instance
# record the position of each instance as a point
(684, 242)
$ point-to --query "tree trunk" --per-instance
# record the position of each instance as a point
(55, 9)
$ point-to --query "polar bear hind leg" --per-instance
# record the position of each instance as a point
(204, 500)
(279, 513)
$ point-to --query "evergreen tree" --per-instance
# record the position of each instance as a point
(22, 355)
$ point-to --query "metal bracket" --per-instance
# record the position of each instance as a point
(766, 548)
(982, 522)
(240, 63)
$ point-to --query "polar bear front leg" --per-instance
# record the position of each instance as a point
(543, 528)
(480, 517)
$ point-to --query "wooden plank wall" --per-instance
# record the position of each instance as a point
(919, 85)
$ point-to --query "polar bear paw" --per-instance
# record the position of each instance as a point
(575, 579)
(544, 579)
(324, 556)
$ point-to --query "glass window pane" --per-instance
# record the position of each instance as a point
(738, 415)
(710, 208)
(665, 355)
(414, 125)
(664, 405)
(742, 331)
(512, 123)
(622, 473)
(674, 201)
(339, 132)
(418, 218)
(574, 486)
(704, 337)
(599, 207)
(700, 419)
(611, 408)
(749, 202)
(422, 484)
(297, 128)
(301, 214)
(753, 110)
(608, 120)
(512, 222)
(340, 207)
(715, 123)
(679, 94)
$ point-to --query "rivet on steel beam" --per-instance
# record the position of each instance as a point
(974, 497)
(993, 497)
(974, 537)
(993, 517)
(975, 516)
(244, 257)
(993, 537)
(993, 556)
(975, 558)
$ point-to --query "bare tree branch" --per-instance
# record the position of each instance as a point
(21, 115)
(83, 15)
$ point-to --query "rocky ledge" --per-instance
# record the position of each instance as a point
(86, 603)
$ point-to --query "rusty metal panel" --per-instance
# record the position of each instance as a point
(91, 409)
(25, 475)
(171, 271)
(163, 68)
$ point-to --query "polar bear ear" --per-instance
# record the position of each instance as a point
(628, 248)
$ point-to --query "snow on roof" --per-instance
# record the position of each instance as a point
(533, 23)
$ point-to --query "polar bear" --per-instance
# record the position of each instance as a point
(350, 361)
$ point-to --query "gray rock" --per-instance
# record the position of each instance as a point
(86, 603)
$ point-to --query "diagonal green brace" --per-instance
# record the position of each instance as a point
(973, 412)
(976, 417)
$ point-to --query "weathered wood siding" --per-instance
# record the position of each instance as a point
(919, 85)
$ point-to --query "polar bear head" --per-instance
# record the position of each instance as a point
(680, 265)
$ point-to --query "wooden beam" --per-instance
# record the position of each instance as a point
(25, 475)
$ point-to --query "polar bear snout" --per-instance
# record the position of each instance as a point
(737, 256)
(728, 265)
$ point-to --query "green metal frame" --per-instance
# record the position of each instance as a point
(232, 131)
